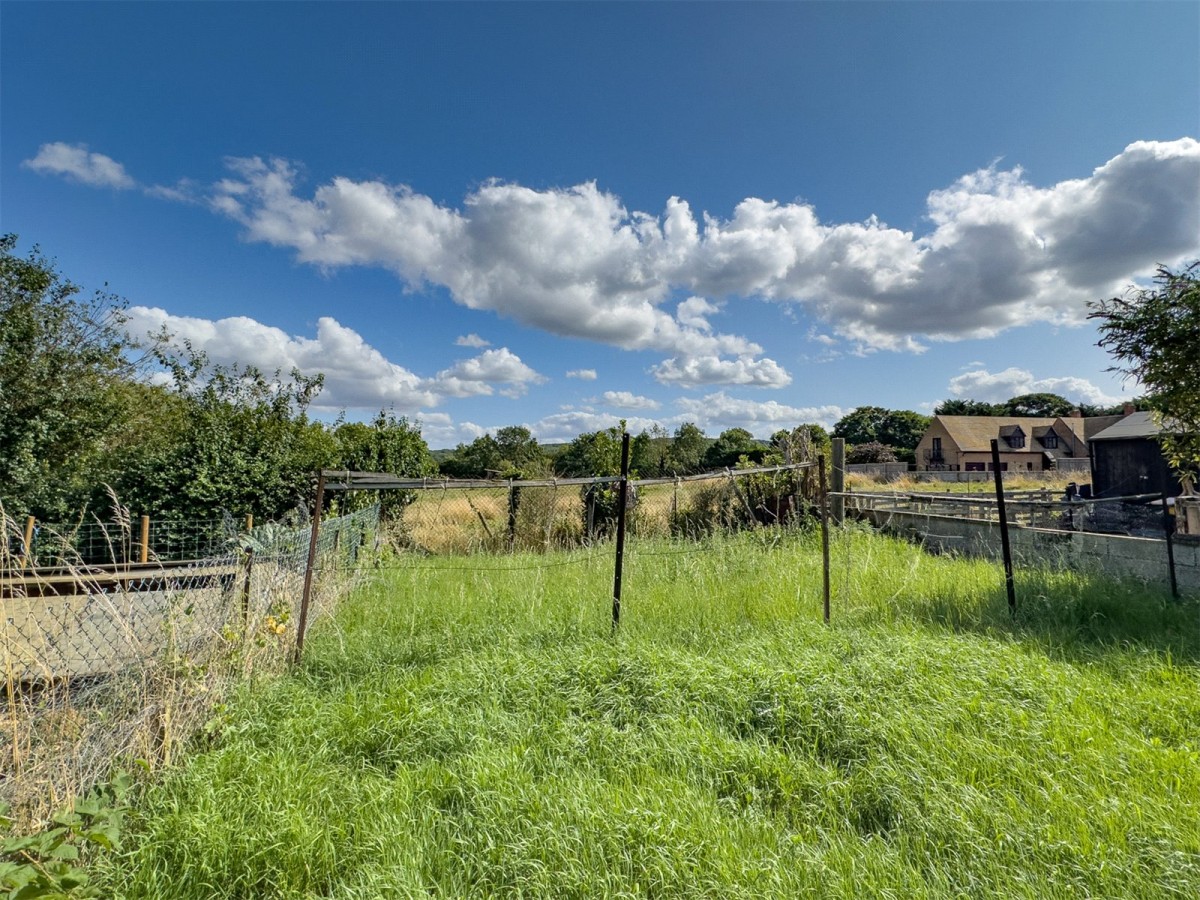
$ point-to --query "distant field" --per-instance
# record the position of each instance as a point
(1054, 482)
(469, 727)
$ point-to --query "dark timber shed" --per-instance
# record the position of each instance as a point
(1127, 459)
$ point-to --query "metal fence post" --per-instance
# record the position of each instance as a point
(1169, 531)
(246, 589)
(302, 624)
(824, 505)
(1004, 545)
(623, 496)
(514, 501)
(838, 477)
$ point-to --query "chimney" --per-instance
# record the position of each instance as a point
(1128, 410)
(1076, 414)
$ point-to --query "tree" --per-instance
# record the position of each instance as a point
(687, 450)
(870, 452)
(512, 453)
(519, 449)
(861, 425)
(1088, 410)
(895, 427)
(804, 443)
(648, 452)
(593, 453)
(1041, 405)
(967, 408)
(63, 362)
(389, 444)
(244, 444)
(478, 459)
(1154, 333)
(903, 428)
(730, 446)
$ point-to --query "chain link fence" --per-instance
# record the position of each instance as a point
(123, 661)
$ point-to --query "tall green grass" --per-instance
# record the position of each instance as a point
(473, 728)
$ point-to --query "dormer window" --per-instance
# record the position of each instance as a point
(1013, 436)
(1050, 442)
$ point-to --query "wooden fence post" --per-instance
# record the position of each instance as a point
(30, 522)
(144, 551)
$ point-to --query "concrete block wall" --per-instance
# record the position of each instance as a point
(1143, 559)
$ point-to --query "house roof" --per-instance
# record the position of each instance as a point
(976, 433)
(1094, 425)
(1130, 427)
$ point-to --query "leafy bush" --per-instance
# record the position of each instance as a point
(50, 863)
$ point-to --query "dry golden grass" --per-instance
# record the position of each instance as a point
(1054, 482)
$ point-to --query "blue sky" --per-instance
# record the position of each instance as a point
(559, 215)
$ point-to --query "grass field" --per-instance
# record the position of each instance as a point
(470, 727)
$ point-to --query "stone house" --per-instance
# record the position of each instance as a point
(1027, 444)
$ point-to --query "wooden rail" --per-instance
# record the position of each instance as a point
(164, 576)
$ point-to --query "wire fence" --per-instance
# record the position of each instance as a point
(1141, 515)
(103, 662)
(1149, 538)
(119, 637)
(124, 540)
(462, 517)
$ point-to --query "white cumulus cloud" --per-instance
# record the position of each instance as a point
(999, 251)
(628, 400)
(699, 370)
(357, 376)
(996, 387)
(480, 374)
(582, 374)
(471, 340)
(717, 412)
(566, 426)
(76, 162)
(571, 262)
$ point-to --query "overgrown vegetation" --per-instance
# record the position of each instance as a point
(1153, 334)
(52, 863)
(81, 416)
(472, 728)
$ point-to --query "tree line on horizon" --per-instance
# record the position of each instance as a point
(90, 416)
